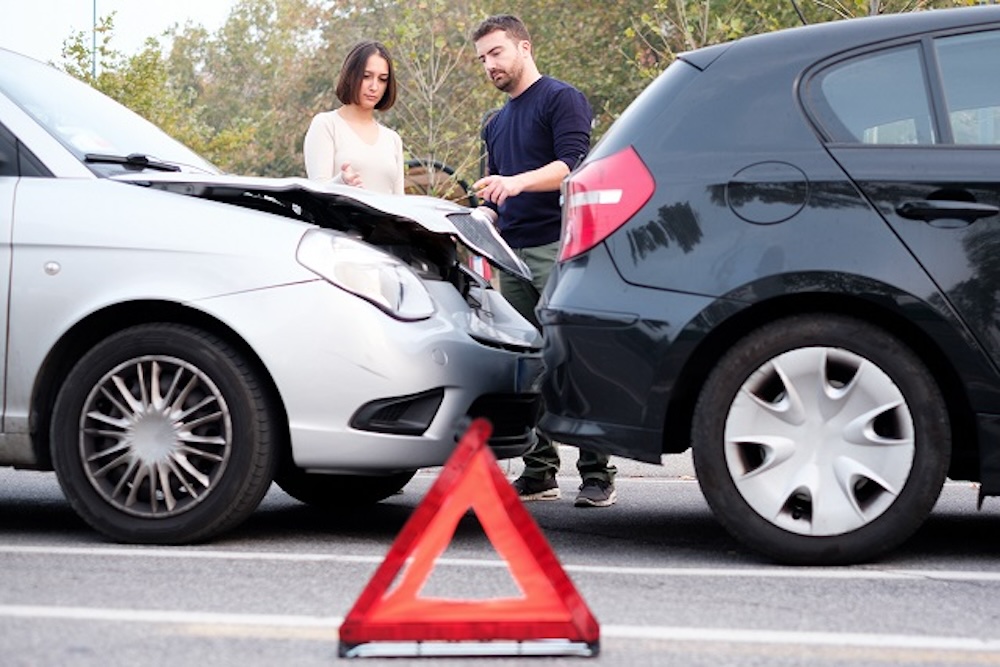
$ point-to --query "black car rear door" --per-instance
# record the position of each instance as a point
(917, 127)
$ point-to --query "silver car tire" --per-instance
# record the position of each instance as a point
(161, 434)
(821, 439)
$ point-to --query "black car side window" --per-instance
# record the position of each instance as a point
(879, 98)
(968, 66)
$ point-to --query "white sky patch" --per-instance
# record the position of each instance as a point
(38, 28)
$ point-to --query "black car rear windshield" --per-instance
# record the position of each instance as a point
(645, 110)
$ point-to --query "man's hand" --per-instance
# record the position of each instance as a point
(496, 189)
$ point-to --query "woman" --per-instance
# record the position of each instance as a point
(347, 145)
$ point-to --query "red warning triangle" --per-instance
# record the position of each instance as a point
(550, 608)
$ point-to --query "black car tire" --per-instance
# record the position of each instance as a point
(821, 439)
(161, 435)
(332, 492)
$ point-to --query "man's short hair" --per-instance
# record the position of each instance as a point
(512, 25)
(352, 74)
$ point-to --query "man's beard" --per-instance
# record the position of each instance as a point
(510, 80)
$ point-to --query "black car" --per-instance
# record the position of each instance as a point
(785, 255)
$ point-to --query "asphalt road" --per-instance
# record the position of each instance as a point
(665, 582)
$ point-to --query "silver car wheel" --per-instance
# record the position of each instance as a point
(819, 441)
(155, 436)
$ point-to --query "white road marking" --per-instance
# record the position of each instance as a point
(835, 639)
(323, 628)
(857, 572)
(154, 616)
(205, 622)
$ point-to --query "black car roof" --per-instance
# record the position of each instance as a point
(846, 34)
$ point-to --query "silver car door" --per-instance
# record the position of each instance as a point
(9, 176)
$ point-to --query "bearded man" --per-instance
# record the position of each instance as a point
(539, 136)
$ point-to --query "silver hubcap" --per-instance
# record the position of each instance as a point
(155, 436)
(819, 441)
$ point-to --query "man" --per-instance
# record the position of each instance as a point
(533, 142)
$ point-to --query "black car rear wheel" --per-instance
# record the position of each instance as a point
(161, 434)
(821, 439)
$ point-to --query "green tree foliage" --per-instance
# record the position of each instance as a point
(667, 28)
(248, 90)
(583, 43)
(441, 97)
(140, 81)
(143, 83)
(244, 95)
(252, 78)
(445, 93)
(845, 9)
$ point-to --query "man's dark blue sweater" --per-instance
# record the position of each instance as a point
(549, 121)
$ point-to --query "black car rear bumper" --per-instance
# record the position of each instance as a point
(616, 402)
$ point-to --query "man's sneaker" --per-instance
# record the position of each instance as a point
(596, 493)
(537, 488)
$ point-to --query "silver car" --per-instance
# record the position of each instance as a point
(177, 338)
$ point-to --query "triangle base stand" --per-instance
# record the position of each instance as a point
(469, 649)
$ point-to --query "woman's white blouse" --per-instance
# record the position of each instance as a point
(330, 142)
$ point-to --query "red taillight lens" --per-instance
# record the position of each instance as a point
(600, 198)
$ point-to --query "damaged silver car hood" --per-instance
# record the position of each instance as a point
(435, 215)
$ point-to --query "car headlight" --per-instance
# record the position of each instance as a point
(366, 272)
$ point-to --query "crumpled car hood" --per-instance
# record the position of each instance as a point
(435, 215)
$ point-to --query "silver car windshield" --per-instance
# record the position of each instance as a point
(107, 136)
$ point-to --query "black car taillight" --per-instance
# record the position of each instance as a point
(600, 198)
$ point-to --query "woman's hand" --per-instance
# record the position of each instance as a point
(349, 176)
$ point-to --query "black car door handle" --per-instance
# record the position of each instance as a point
(936, 209)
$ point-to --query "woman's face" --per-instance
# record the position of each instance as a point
(374, 81)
